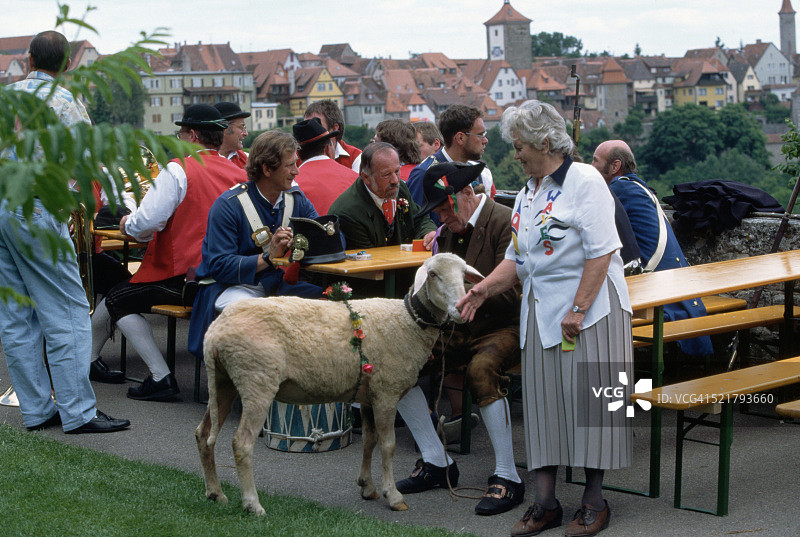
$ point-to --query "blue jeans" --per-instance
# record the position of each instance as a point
(60, 319)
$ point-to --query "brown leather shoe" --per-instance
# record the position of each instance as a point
(588, 521)
(537, 519)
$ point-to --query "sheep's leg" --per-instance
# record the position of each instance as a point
(384, 423)
(225, 395)
(254, 412)
(368, 491)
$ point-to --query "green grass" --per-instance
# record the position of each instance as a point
(53, 489)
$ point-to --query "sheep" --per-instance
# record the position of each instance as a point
(298, 351)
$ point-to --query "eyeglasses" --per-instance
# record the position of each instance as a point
(180, 132)
(481, 135)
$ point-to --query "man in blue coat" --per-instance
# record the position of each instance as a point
(234, 266)
(657, 242)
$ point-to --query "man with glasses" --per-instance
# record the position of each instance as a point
(172, 219)
(465, 139)
(231, 147)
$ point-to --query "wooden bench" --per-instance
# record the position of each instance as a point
(715, 395)
(713, 324)
(173, 313)
(789, 410)
(714, 304)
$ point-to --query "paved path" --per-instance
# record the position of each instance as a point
(765, 467)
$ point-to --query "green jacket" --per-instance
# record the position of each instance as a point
(364, 226)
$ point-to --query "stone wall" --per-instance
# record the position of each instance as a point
(753, 237)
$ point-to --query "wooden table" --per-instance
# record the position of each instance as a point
(118, 240)
(655, 289)
(385, 262)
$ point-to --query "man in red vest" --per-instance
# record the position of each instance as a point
(231, 147)
(331, 117)
(172, 218)
(319, 177)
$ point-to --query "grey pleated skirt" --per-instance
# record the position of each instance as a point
(566, 395)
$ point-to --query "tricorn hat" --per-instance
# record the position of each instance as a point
(317, 240)
(311, 130)
(231, 111)
(203, 116)
(446, 179)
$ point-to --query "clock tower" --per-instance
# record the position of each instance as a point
(508, 37)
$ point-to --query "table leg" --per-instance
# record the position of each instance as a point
(655, 416)
(787, 335)
(389, 280)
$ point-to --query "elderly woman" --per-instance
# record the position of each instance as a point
(575, 318)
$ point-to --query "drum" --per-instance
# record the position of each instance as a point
(307, 428)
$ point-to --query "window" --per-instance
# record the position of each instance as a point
(491, 112)
(330, 86)
(321, 86)
(701, 91)
(719, 91)
(156, 118)
(258, 114)
(367, 109)
(155, 101)
(218, 81)
(512, 94)
(175, 101)
(691, 91)
(378, 109)
(175, 83)
(720, 104)
(495, 32)
(176, 117)
(269, 113)
(197, 82)
(499, 83)
(498, 95)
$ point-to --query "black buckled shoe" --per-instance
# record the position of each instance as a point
(501, 495)
(163, 390)
(99, 372)
(427, 476)
(101, 423)
(53, 420)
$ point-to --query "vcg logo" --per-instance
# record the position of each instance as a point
(617, 394)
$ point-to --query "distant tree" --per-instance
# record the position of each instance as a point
(774, 111)
(555, 44)
(731, 165)
(358, 135)
(589, 141)
(631, 129)
(683, 135)
(508, 174)
(123, 108)
(637, 50)
(718, 43)
(740, 131)
(496, 149)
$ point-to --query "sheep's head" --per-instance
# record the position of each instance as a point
(439, 283)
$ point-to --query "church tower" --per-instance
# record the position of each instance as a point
(508, 37)
(788, 33)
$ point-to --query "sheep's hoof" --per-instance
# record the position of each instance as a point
(217, 497)
(373, 496)
(402, 506)
(255, 508)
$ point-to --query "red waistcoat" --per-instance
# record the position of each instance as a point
(179, 245)
(322, 181)
(239, 159)
(348, 161)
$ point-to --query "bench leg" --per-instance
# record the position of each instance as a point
(171, 328)
(679, 461)
(725, 441)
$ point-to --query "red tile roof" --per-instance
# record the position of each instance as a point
(507, 14)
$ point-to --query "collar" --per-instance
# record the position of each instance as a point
(473, 221)
(421, 315)
(340, 151)
(377, 199)
(448, 157)
(278, 202)
(312, 159)
(557, 176)
(40, 75)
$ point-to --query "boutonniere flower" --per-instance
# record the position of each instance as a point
(402, 204)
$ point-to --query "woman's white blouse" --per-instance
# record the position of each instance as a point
(554, 231)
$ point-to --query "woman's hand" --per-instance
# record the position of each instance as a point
(571, 325)
(470, 302)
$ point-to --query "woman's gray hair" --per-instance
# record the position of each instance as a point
(534, 121)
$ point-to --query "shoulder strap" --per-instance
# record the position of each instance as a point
(288, 208)
(662, 227)
(261, 234)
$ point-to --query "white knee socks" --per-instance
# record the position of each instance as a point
(414, 409)
(138, 331)
(101, 328)
(499, 429)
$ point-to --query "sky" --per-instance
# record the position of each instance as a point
(396, 28)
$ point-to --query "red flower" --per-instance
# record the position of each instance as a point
(359, 333)
(366, 368)
(327, 291)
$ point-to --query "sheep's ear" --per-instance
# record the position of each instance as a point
(472, 275)
(420, 277)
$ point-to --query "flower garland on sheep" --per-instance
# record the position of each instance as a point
(341, 292)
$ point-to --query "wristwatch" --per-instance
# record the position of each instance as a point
(576, 309)
(265, 257)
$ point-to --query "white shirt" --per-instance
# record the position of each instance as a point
(474, 218)
(486, 174)
(159, 204)
(356, 167)
(554, 231)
